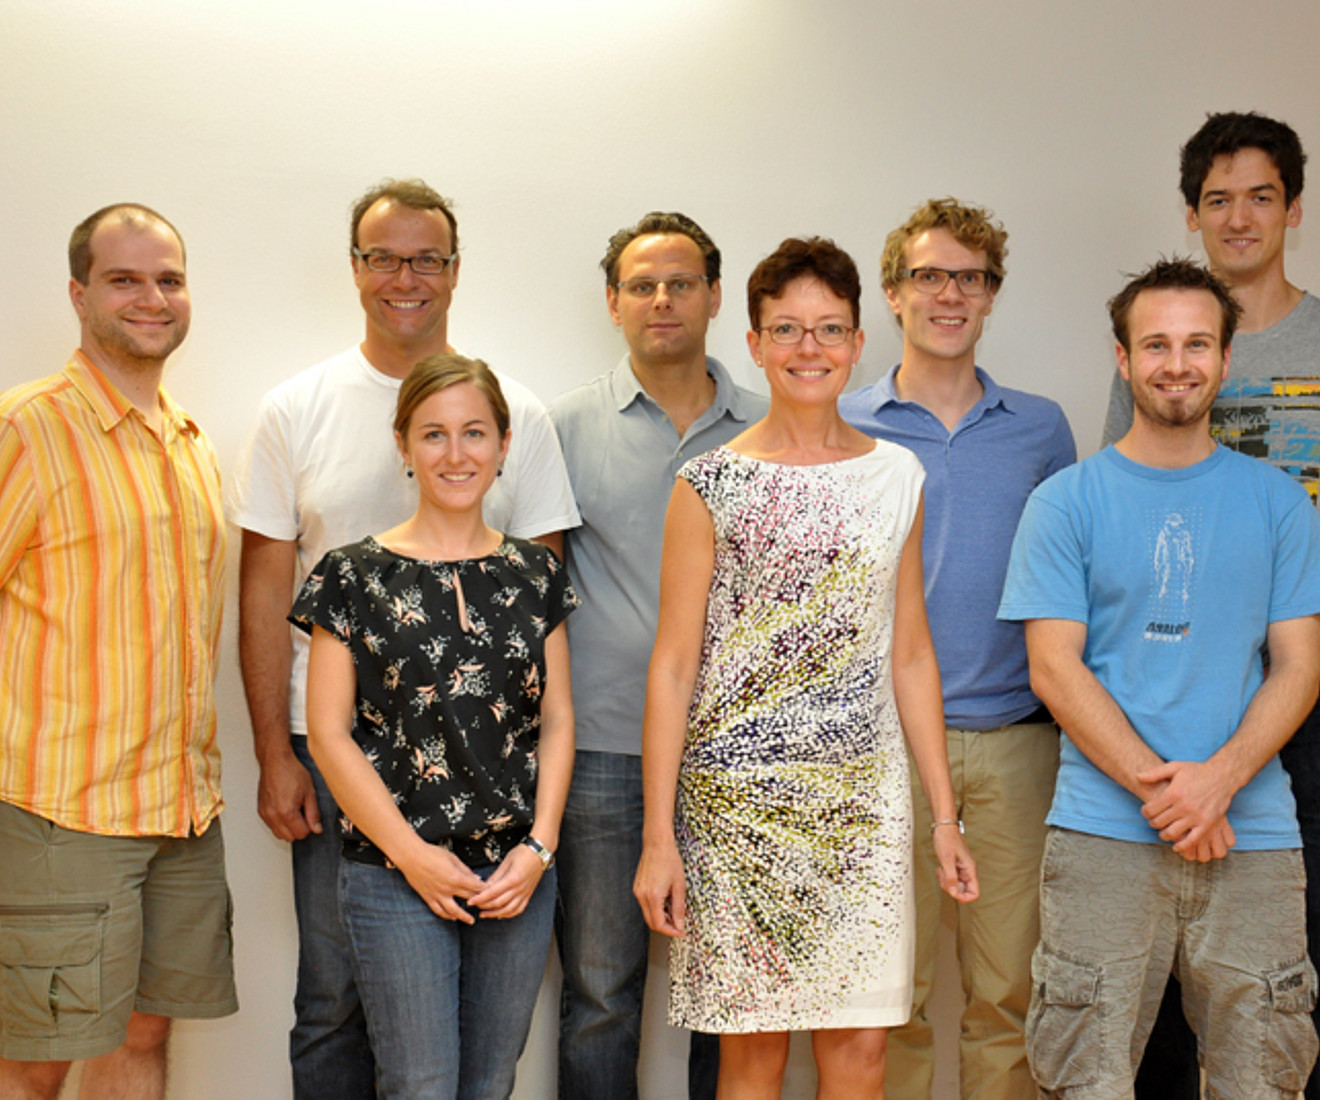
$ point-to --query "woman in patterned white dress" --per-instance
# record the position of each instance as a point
(792, 657)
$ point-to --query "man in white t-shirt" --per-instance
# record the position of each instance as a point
(320, 469)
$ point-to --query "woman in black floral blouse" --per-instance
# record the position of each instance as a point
(439, 712)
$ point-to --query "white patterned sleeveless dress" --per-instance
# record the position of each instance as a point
(794, 816)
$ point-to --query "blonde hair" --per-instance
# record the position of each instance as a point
(970, 226)
(439, 372)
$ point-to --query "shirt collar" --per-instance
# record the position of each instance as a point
(993, 395)
(111, 406)
(728, 397)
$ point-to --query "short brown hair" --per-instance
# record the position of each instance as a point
(80, 241)
(809, 257)
(972, 227)
(440, 372)
(413, 193)
(1178, 273)
(655, 223)
(1223, 135)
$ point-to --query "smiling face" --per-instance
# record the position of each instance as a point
(1242, 216)
(134, 308)
(454, 448)
(941, 327)
(662, 329)
(806, 373)
(1176, 364)
(406, 312)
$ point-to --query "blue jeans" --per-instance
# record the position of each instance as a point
(603, 940)
(448, 1005)
(328, 1045)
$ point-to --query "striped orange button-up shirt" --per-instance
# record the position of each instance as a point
(112, 546)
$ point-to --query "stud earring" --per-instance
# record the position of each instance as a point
(410, 473)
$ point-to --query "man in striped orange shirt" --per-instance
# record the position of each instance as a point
(114, 911)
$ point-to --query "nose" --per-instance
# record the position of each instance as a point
(950, 291)
(1239, 211)
(814, 348)
(150, 295)
(662, 300)
(405, 276)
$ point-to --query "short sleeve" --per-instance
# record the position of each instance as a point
(1046, 571)
(1062, 446)
(542, 495)
(1295, 592)
(263, 493)
(560, 598)
(324, 598)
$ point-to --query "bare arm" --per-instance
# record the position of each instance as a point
(1195, 797)
(286, 798)
(437, 875)
(1097, 725)
(921, 711)
(687, 564)
(508, 890)
(554, 540)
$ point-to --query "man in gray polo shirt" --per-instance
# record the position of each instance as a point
(624, 436)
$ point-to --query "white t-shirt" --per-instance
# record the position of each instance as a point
(320, 467)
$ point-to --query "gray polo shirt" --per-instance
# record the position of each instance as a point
(622, 454)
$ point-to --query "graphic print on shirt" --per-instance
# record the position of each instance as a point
(1276, 418)
(1172, 538)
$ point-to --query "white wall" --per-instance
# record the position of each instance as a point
(253, 125)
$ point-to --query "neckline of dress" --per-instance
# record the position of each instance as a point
(875, 446)
(377, 544)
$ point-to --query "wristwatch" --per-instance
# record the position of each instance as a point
(541, 852)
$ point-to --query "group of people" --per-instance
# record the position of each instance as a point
(822, 648)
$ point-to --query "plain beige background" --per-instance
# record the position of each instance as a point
(253, 125)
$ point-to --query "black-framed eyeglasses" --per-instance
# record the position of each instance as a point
(829, 335)
(676, 286)
(972, 281)
(425, 263)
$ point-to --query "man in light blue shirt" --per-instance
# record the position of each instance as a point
(985, 448)
(1152, 578)
(624, 436)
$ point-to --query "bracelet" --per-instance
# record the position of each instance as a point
(539, 850)
(947, 821)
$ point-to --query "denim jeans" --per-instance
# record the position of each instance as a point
(328, 1047)
(448, 1004)
(603, 940)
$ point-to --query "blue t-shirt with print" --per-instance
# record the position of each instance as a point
(1177, 575)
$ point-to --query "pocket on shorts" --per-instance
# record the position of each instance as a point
(50, 968)
(1064, 1038)
(1290, 1040)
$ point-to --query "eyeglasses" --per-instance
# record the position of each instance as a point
(973, 282)
(676, 286)
(829, 335)
(426, 263)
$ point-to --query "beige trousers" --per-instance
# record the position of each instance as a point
(1003, 780)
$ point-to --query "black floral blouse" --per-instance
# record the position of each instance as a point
(450, 660)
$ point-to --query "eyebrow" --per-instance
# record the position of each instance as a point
(1250, 190)
(466, 424)
(169, 273)
(1165, 336)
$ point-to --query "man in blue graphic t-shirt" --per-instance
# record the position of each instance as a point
(1152, 579)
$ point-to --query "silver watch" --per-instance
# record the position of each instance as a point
(541, 852)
